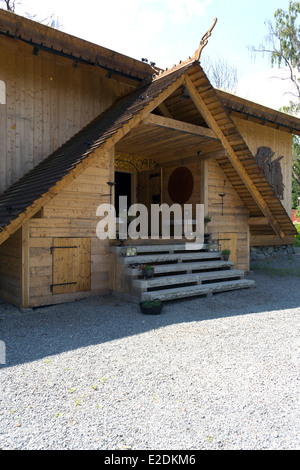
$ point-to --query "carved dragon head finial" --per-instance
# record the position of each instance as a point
(204, 41)
(196, 57)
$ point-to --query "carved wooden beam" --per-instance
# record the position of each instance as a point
(204, 41)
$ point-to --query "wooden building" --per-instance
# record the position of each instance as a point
(75, 116)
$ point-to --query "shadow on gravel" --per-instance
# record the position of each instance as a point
(52, 330)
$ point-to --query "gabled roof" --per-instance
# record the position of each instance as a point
(245, 109)
(25, 197)
(42, 37)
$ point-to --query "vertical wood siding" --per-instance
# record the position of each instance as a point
(280, 142)
(47, 102)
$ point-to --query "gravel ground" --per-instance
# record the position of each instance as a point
(218, 372)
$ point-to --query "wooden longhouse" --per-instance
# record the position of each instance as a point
(74, 116)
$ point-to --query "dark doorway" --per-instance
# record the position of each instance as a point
(122, 188)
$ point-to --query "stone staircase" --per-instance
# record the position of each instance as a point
(178, 273)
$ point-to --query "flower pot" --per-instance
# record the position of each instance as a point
(225, 257)
(149, 309)
(148, 273)
(207, 238)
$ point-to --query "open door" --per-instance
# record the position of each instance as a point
(149, 190)
(149, 187)
(123, 187)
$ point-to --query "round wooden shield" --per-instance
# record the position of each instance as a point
(181, 185)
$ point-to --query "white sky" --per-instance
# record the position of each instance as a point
(166, 31)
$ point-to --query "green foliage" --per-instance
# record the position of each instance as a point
(283, 45)
(146, 267)
(295, 194)
(287, 31)
(207, 219)
(296, 172)
(297, 237)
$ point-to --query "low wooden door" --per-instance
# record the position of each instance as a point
(229, 241)
(71, 265)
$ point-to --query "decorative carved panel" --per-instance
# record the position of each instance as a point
(271, 169)
(124, 161)
(181, 185)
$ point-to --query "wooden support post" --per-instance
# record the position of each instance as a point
(25, 266)
(204, 185)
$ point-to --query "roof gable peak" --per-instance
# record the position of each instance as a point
(195, 57)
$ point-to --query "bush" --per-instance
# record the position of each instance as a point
(297, 237)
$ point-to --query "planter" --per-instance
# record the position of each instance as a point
(148, 273)
(151, 307)
(225, 254)
(207, 238)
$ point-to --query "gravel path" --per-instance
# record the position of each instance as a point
(220, 372)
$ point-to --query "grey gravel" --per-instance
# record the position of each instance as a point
(218, 372)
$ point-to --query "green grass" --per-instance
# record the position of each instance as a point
(271, 267)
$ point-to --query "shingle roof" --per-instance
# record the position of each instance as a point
(24, 197)
(54, 168)
(40, 36)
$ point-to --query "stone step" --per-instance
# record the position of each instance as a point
(203, 289)
(165, 257)
(158, 282)
(158, 248)
(184, 267)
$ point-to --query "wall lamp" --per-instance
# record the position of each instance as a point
(111, 184)
(222, 196)
(185, 94)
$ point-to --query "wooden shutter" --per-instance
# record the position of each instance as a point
(71, 265)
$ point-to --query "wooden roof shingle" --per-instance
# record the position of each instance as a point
(16, 201)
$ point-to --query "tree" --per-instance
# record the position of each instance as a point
(283, 45)
(220, 73)
(49, 20)
(10, 4)
(296, 173)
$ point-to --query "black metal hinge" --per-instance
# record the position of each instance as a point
(62, 284)
(56, 247)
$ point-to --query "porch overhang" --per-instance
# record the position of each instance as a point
(165, 139)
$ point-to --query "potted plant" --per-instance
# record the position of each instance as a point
(151, 307)
(225, 254)
(147, 270)
(207, 235)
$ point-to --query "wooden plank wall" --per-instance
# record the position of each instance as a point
(280, 142)
(47, 102)
(10, 269)
(195, 168)
(235, 218)
(72, 213)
